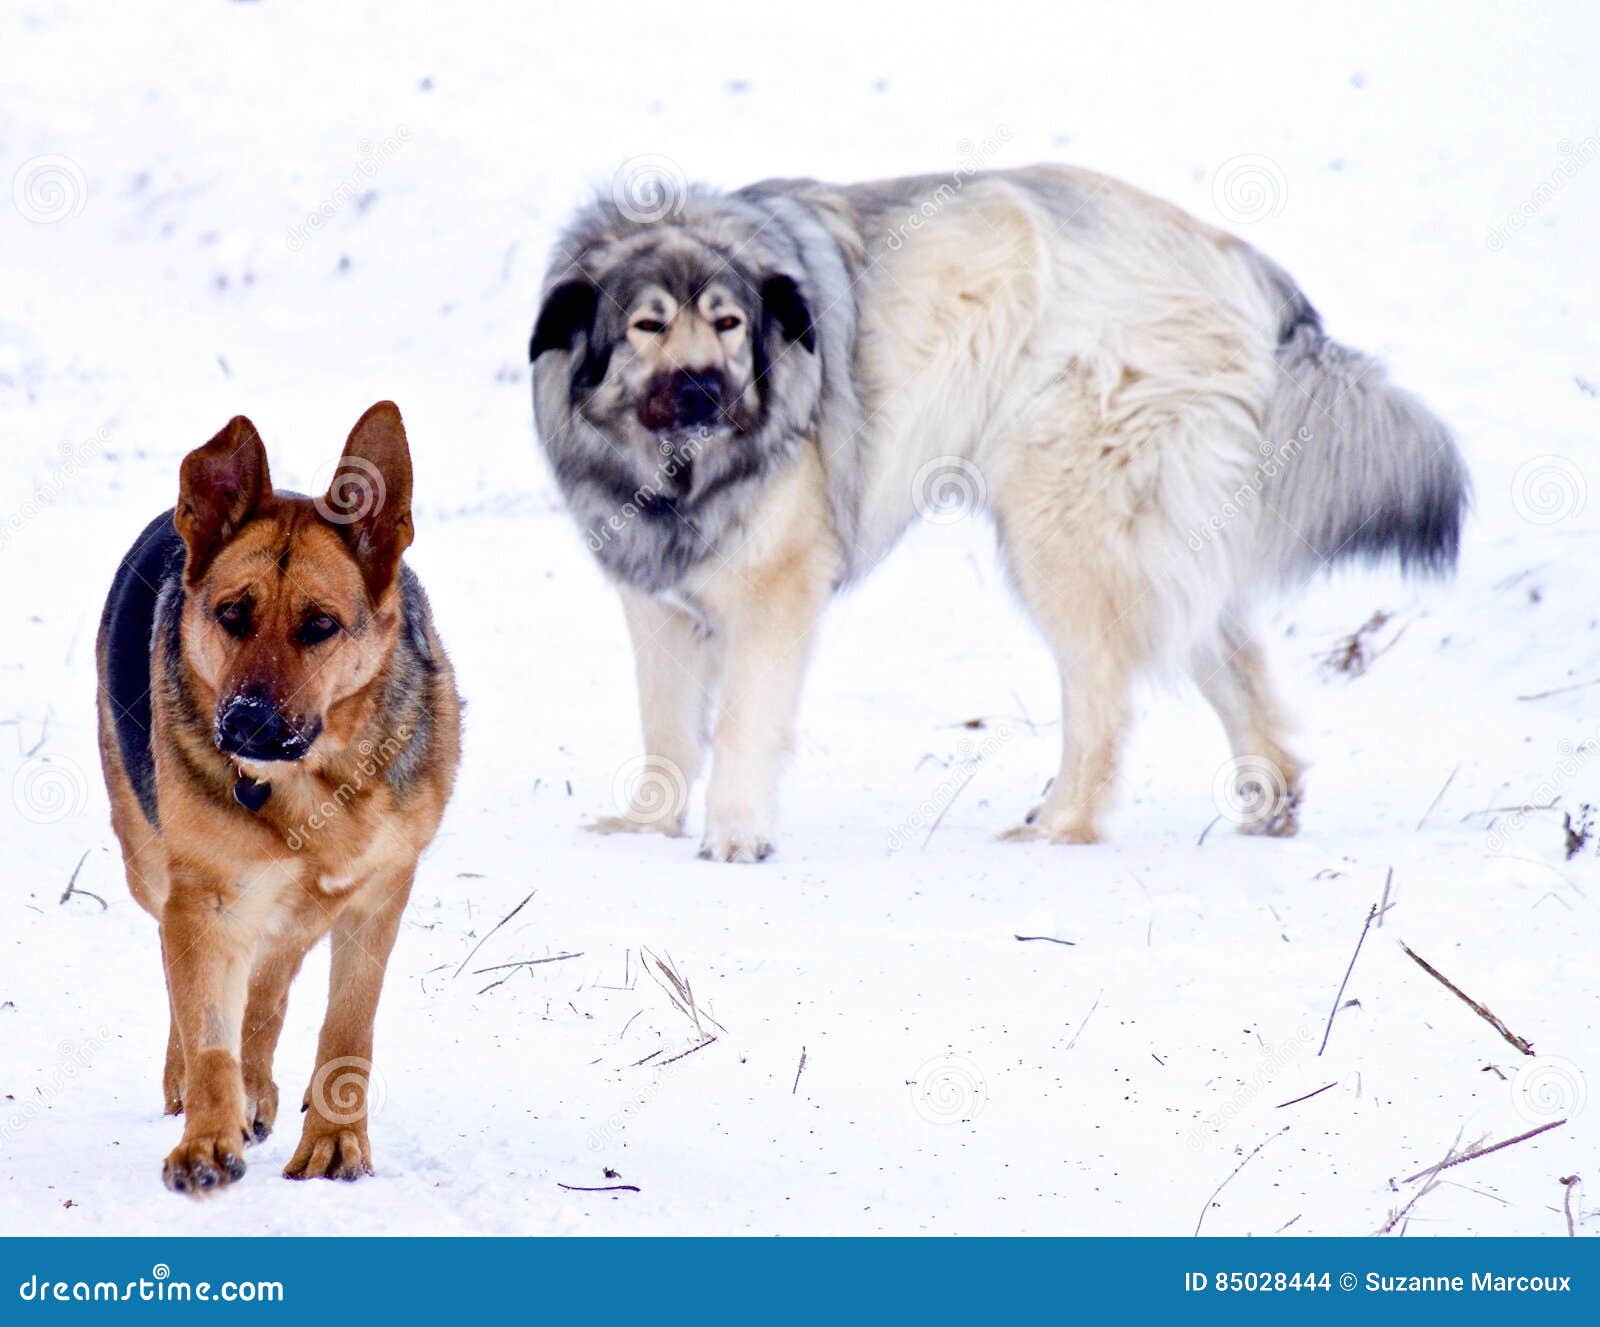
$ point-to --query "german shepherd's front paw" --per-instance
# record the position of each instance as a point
(329, 1151)
(637, 823)
(206, 1159)
(735, 844)
(261, 1106)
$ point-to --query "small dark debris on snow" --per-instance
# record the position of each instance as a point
(1353, 655)
(1579, 831)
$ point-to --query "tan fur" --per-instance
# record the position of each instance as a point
(242, 897)
(742, 631)
(995, 336)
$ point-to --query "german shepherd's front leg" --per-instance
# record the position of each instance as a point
(276, 963)
(207, 949)
(334, 1143)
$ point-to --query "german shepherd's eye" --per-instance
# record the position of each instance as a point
(727, 322)
(234, 618)
(650, 326)
(317, 628)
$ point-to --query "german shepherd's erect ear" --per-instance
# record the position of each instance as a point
(220, 488)
(369, 499)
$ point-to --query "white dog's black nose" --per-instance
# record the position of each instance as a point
(697, 397)
(684, 399)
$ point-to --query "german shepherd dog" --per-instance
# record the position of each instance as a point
(746, 398)
(279, 730)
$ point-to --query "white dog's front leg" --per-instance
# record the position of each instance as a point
(766, 599)
(676, 660)
(768, 647)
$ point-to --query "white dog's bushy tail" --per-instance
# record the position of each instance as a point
(1369, 472)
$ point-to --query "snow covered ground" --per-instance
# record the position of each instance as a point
(290, 212)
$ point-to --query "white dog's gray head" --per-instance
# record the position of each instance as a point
(675, 326)
(675, 366)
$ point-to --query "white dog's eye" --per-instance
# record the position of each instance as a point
(727, 322)
(650, 326)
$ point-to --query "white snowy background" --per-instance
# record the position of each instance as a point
(1430, 174)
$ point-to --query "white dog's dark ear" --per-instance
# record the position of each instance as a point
(568, 313)
(786, 306)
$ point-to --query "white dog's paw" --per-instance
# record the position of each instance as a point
(1046, 826)
(637, 824)
(1281, 820)
(736, 844)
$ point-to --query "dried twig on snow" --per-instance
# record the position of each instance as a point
(1383, 903)
(1526, 1047)
(475, 948)
(1438, 797)
(1307, 1096)
(678, 991)
(1085, 1022)
(72, 885)
(525, 963)
(690, 1051)
(1474, 1153)
(1560, 691)
(1234, 1172)
(1396, 1216)
(1328, 1031)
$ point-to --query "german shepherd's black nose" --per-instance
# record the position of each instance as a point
(252, 728)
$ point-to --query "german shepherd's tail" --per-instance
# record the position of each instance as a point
(1368, 471)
